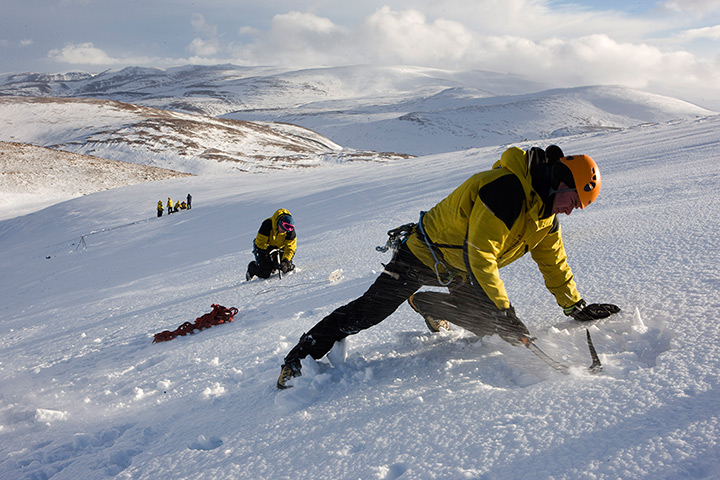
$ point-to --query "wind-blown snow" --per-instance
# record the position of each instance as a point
(86, 283)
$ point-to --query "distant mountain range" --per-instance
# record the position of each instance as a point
(195, 118)
(221, 89)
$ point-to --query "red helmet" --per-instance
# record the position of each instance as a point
(586, 175)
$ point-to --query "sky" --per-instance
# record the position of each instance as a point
(670, 47)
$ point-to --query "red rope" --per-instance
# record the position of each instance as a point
(218, 315)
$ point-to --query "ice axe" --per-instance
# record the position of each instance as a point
(596, 366)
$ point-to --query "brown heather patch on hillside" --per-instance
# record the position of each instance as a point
(27, 168)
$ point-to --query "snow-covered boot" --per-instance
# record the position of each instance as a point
(288, 371)
(433, 324)
(250, 271)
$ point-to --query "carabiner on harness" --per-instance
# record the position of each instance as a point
(397, 237)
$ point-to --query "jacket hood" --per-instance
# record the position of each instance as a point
(276, 216)
(533, 173)
(517, 162)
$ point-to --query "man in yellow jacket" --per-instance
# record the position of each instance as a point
(489, 221)
(274, 246)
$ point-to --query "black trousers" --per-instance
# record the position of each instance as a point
(266, 263)
(464, 305)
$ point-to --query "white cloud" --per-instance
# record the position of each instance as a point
(88, 54)
(408, 37)
(247, 30)
(201, 26)
(696, 7)
(207, 43)
(297, 39)
(204, 48)
(301, 23)
(25, 42)
(81, 53)
(712, 33)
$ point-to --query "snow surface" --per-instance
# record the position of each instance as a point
(85, 284)
(32, 177)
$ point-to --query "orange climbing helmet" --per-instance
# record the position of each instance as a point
(586, 175)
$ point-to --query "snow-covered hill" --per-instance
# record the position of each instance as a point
(32, 177)
(410, 110)
(86, 283)
(459, 118)
(184, 142)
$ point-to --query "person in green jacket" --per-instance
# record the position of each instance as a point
(489, 221)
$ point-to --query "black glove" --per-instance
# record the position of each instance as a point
(286, 266)
(584, 313)
(510, 327)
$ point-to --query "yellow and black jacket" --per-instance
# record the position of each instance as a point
(491, 220)
(269, 237)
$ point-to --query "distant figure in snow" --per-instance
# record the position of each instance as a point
(159, 208)
(489, 221)
(189, 201)
(170, 206)
(274, 246)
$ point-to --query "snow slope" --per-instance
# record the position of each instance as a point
(85, 285)
(178, 141)
(459, 118)
(32, 177)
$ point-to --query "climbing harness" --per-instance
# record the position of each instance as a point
(218, 315)
(396, 237)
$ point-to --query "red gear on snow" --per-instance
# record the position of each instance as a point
(218, 315)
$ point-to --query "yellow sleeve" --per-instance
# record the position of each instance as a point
(487, 236)
(551, 258)
(289, 249)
